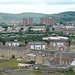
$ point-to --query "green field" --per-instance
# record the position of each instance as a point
(5, 63)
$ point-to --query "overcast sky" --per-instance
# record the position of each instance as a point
(37, 6)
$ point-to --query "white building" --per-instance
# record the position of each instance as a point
(14, 43)
(37, 45)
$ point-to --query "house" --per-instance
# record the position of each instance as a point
(72, 46)
(53, 34)
(42, 56)
(1, 44)
(10, 29)
(50, 63)
(61, 48)
(34, 34)
(14, 43)
(69, 26)
(64, 58)
(55, 43)
(69, 31)
(59, 28)
(50, 29)
(39, 29)
(73, 65)
(25, 29)
(8, 52)
(2, 29)
(37, 45)
(30, 57)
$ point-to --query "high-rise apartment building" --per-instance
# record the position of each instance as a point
(53, 21)
(41, 20)
(47, 21)
(25, 21)
(30, 21)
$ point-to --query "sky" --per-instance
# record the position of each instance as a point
(36, 6)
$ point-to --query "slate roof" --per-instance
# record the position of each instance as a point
(13, 48)
(52, 62)
(43, 53)
(13, 41)
(36, 42)
(66, 55)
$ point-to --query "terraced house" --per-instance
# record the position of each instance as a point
(37, 45)
(14, 43)
(64, 58)
(72, 46)
(18, 52)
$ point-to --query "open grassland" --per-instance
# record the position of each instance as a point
(5, 63)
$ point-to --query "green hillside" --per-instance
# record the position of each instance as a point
(9, 18)
(64, 16)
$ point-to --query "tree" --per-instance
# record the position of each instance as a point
(61, 22)
(53, 29)
(29, 29)
(47, 29)
(13, 56)
(2, 55)
(20, 56)
(69, 41)
(21, 45)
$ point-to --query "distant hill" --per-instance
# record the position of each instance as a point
(11, 18)
(64, 16)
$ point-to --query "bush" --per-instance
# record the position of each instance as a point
(13, 56)
(2, 55)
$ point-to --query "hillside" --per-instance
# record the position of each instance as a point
(11, 18)
(64, 16)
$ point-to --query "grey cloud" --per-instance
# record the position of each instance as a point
(36, 2)
(59, 2)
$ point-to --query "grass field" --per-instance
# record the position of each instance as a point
(5, 63)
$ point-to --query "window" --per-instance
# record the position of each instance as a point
(69, 63)
(65, 44)
(61, 49)
(39, 47)
(51, 44)
(66, 62)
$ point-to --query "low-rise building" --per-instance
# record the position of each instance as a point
(30, 57)
(39, 29)
(2, 29)
(56, 38)
(72, 46)
(73, 65)
(43, 56)
(61, 48)
(1, 44)
(37, 45)
(10, 29)
(50, 63)
(56, 43)
(69, 31)
(64, 58)
(8, 52)
(14, 43)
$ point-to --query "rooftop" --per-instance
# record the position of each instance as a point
(14, 48)
(65, 55)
